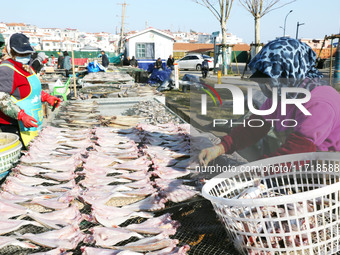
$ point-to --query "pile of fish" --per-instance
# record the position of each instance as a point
(76, 115)
(284, 222)
(153, 112)
(123, 175)
(108, 77)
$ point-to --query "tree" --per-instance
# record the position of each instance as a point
(221, 13)
(258, 9)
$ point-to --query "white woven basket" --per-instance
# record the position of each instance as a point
(10, 148)
(298, 209)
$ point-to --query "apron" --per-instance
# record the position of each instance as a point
(31, 105)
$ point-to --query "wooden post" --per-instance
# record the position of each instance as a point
(74, 75)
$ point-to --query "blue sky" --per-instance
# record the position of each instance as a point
(320, 17)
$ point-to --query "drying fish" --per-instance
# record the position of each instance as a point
(179, 193)
(7, 226)
(110, 216)
(139, 184)
(92, 169)
(154, 226)
(60, 176)
(67, 238)
(125, 154)
(52, 203)
(147, 190)
(15, 187)
(108, 237)
(30, 180)
(101, 251)
(101, 181)
(8, 240)
(171, 250)
(102, 160)
(57, 219)
(31, 170)
(151, 203)
(58, 251)
(136, 176)
(149, 244)
(170, 172)
(140, 164)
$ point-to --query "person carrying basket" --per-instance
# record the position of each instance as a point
(281, 63)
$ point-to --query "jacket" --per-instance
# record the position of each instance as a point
(67, 63)
(105, 60)
(13, 84)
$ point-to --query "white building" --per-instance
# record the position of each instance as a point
(150, 44)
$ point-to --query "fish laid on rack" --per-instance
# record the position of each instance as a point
(55, 203)
(154, 226)
(170, 172)
(135, 176)
(139, 184)
(7, 226)
(110, 216)
(57, 251)
(59, 218)
(60, 176)
(91, 169)
(140, 164)
(175, 190)
(171, 250)
(101, 251)
(151, 203)
(154, 243)
(31, 170)
(108, 237)
(102, 160)
(67, 238)
(9, 240)
(30, 180)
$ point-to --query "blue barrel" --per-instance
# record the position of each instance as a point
(336, 80)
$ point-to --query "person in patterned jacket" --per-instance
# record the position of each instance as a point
(288, 63)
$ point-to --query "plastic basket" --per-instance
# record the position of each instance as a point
(10, 148)
(294, 210)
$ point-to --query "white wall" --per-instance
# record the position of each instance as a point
(163, 44)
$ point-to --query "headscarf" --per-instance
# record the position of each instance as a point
(289, 63)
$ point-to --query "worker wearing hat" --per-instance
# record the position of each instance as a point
(20, 85)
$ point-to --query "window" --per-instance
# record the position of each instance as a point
(193, 57)
(186, 58)
(145, 50)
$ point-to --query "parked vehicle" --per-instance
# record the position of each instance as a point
(194, 62)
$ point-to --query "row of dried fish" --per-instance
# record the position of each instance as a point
(44, 181)
(38, 200)
(132, 179)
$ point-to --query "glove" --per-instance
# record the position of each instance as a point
(51, 100)
(27, 120)
(211, 153)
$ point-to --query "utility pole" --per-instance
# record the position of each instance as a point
(120, 44)
(297, 29)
